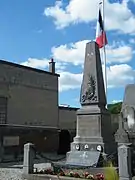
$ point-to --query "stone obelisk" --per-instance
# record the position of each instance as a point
(93, 132)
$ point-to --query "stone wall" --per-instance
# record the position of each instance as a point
(115, 122)
(32, 95)
(44, 140)
(67, 118)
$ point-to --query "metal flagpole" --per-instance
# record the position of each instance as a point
(104, 50)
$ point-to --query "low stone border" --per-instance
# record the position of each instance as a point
(92, 171)
(47, 177)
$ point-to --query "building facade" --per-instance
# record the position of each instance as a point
(29, 110)
(27, 96)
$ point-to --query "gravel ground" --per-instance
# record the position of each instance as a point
(13, 171)
(10, 174)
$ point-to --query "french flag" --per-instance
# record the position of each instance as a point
(101, 39)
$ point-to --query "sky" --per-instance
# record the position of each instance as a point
(33, 31)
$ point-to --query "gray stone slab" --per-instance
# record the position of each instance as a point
(124, 159)
(121, 135)
(128, 108)
(83, 158)
(129, 95)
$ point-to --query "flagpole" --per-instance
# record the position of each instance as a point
(104, 51)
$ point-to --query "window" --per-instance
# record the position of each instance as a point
(3, 110)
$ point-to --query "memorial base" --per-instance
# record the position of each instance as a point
(93, 130)
(93, 136)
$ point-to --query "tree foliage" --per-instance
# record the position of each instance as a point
(115, 108)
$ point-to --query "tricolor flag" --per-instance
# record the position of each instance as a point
(101, 39)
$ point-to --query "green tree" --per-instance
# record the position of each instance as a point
(115, 108)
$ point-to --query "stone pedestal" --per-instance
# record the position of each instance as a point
(28, 161)
(124, 158)
(93, 135)
(127, 134)
(93, 131)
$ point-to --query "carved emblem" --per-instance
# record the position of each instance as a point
(91, 90)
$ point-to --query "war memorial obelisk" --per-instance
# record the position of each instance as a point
(93, 131)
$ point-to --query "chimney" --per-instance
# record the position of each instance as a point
(52, 66)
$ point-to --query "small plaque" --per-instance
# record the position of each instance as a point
(83, 158)
(11, 140)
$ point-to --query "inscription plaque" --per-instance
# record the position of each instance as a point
(83, 158)
(88, 125)
(11, 140)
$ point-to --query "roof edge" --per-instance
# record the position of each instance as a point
(27, 67)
